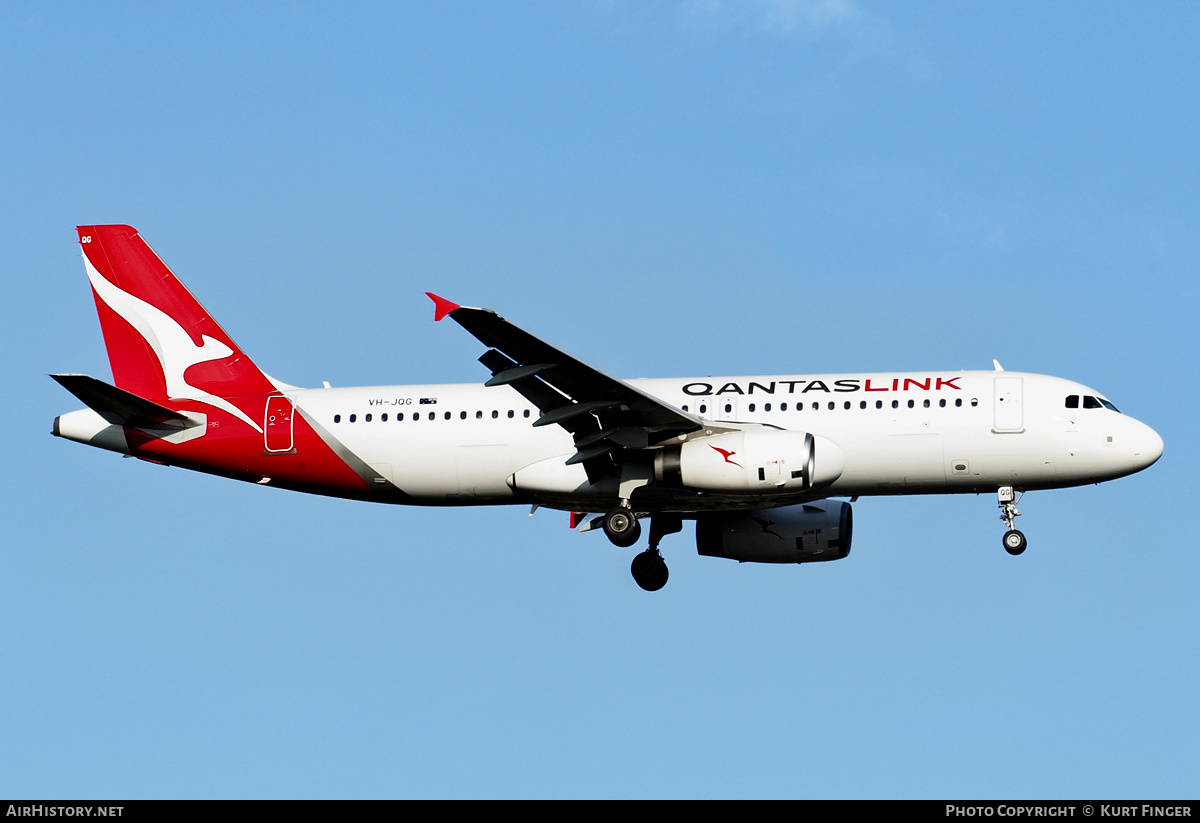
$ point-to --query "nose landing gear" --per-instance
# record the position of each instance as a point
(1014, 541)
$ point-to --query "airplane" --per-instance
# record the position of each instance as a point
(755, 461)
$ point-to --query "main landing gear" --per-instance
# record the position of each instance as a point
(1014, 541)
(622, 527)
(649, 570)
(648, 567)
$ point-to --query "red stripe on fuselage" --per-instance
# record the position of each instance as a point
(230, 448)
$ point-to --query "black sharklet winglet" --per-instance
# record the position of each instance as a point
(122, 408)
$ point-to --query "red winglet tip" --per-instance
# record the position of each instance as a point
(577, 518)
(441, 306)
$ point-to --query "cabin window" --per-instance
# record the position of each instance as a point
(400, 417)
(831, 405)
(846, 405)
(525, 413)
(862, 404)
(383, 417)
(337, 418)
(783, 406)
(511, 414)
(974, 401)
(462, 415)
(879, 404)
(750, 409)
(957, 402)
(495, 414)
(926, 404)
(703, 408)
(895, 404)
(942, 403)
(447, 415)
(367, 419)
(910, 404)
(353, 417)
(816, 406)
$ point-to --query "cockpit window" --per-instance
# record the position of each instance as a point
(1090, 402)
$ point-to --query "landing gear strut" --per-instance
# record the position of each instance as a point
(649, 569)
(622, 527)
(1014, 541)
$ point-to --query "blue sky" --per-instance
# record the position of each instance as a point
(672, 188)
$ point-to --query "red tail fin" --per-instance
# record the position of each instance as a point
(161, 342)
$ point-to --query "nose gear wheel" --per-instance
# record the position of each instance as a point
(1014, 541)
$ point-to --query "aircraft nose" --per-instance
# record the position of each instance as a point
(1147, 446)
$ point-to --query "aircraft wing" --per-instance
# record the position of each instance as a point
(603, 414)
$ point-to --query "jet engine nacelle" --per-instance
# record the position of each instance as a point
(760, 460)
(805, 533)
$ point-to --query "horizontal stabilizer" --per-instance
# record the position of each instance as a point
(119, 407)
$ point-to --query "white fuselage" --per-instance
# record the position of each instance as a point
(903, 433)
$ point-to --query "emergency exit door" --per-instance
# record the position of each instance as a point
(1009, 405)
(277, 424)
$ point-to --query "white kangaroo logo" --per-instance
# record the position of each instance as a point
(171, 343)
